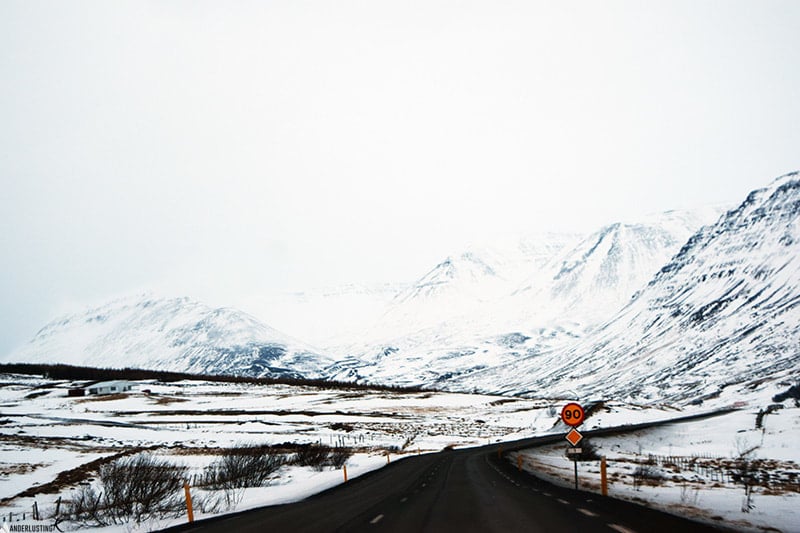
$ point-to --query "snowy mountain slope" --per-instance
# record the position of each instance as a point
(465, 315)
(465, 283)
(723, 312)
(598, 276)
(176, 334)
(437, 326)
(486, 271)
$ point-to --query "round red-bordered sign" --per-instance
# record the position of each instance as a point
(572, 414)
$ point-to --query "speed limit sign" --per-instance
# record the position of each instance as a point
(572, 414)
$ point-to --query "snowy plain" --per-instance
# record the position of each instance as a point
(44, 433)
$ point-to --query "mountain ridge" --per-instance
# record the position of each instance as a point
(673, 308)
(177, 334)
(724, 312)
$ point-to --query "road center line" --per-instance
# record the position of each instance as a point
(565, 502)
(376, 519)
(587, 512)
(621, 529)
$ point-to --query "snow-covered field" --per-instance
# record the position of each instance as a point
(47, 435)
(52, 444)
(695, 469)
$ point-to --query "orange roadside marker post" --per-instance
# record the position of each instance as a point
(189, 510)
(603, 477)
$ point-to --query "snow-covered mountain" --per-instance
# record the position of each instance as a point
(464, 284)
(723, 312)
(671, 308)
(490, 306)
(176, 334)
(486, 271)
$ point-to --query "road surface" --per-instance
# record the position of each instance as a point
(462, 490)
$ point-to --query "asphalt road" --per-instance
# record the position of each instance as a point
(463, 490)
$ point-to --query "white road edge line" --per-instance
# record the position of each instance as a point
(587, 512)
(621, 529)
(376, 519)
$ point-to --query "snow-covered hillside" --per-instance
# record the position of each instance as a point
(429, 331)
(491, 307)
(598, 276)
(465, 283)
(723, 313)
(176, 334)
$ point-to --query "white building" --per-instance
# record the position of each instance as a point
(110, 387)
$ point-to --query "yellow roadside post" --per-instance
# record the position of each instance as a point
(344, 469)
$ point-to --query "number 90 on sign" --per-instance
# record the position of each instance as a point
(572, 414)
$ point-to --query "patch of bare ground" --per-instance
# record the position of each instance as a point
(167, 400)
(497, 403)
(103, 398)
(285, 448)
(75, 444)
(68, 443)
(258, 412)
(8, 469)
(73, 476)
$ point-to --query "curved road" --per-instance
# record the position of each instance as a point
(464, 490)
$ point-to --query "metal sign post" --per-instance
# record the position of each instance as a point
(575, 464)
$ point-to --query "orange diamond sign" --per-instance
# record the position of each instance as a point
(574, 437)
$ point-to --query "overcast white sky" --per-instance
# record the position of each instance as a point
(215, 149)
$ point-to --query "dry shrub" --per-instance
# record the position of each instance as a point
(243, 466)
(318, 456)
(138, 488)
